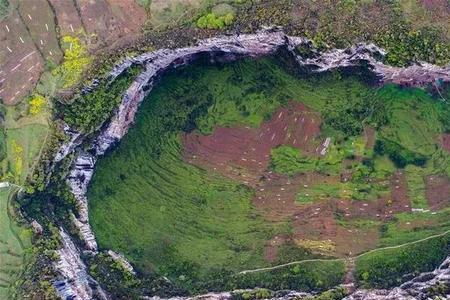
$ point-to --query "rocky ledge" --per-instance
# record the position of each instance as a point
(225, 48)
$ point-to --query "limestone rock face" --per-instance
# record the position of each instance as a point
(76, 283)
(224, 48)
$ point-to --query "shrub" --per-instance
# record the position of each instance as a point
(76, 59)
(349, 115)
(211, 21)
(36, 104)
(93, 108)
(4, 7)
(386, 268)
(399, 155)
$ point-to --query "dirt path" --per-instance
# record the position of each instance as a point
(354, 258)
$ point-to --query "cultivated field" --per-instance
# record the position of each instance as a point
(246, 166)
(31, 33)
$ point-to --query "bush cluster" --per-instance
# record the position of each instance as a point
(211, 21)
(399, 155)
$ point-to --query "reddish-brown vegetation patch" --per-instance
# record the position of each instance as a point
(437, 191)
(21, 62)
(30, 36)
(441, 6)
(445, 139)
(109, 22)
(39, 18)
(369, 137)
(243, 154)
(69, 22)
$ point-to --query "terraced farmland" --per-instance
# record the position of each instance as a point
(248, 166)
(15, 242)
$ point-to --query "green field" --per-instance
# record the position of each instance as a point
(197, 228)
(15, 244)
(25, 136)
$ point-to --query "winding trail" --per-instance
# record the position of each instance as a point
(299, 262)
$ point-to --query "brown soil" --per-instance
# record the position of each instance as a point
(437, 191)
(69, 21)
(110, 21)
(30, 35)
(445, 140)
(243, 154)
(21, 62)
(41, 26)
(442, 6)
(272, 246)
(369, 136)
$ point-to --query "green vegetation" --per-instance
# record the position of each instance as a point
(334, 294)
(144, 3)
(175, 213)
(353, 112)
(211, 21)
(114, 277)
(415, 119)
(399, 155)
(416, 186)
(288, 160)
(26, 130)
(408, 35)
(307, 276)
(4, 8)
(404, 44)
(76, 60)
(386, 268)
(407, 227)
(89, 111)
(187, 225)
(23, 146)
(15, 243)
(199, 229)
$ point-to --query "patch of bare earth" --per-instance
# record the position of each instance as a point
(243, 154)
(110, 22)
(437, 191)
(369, 137)
(445, 140)
(21, 62)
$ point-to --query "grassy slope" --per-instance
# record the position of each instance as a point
(14, 242)
(168, 216)
(386, 268)
(147, 203)
(25, 137)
